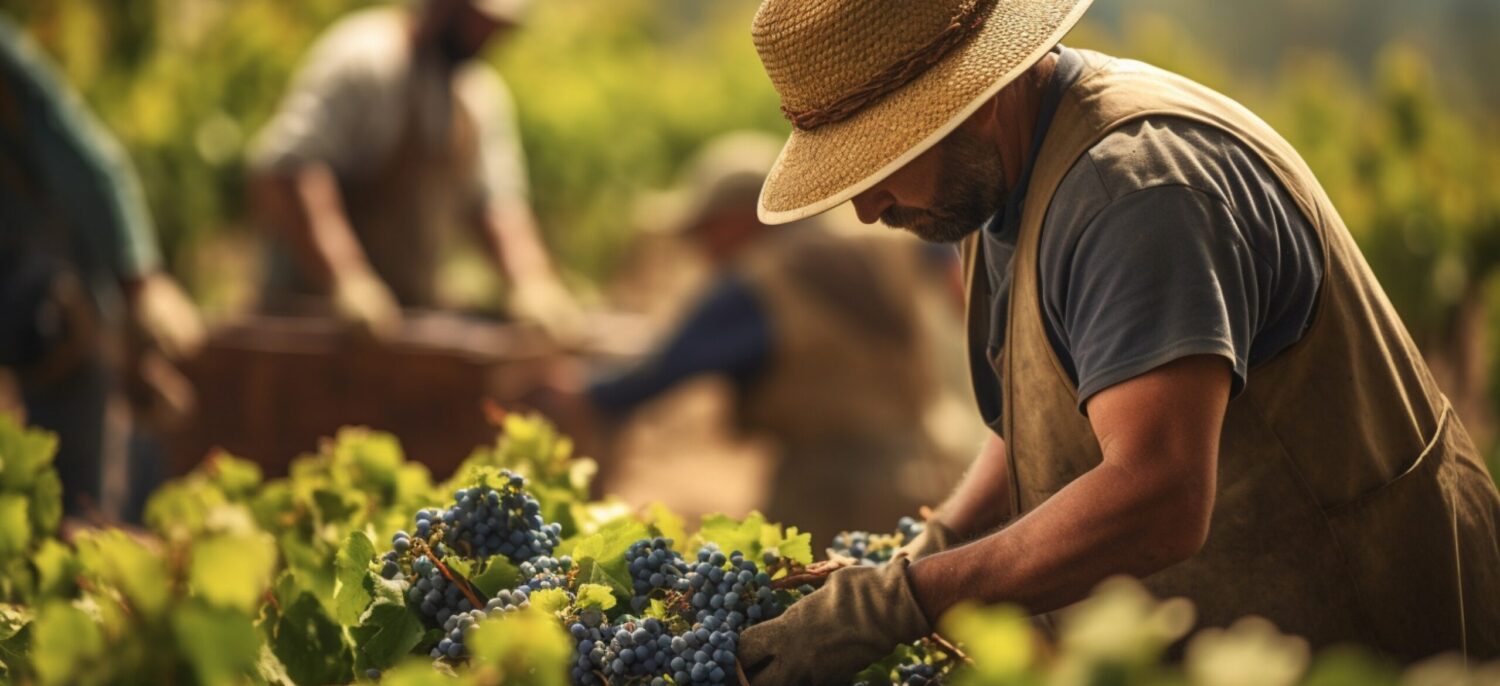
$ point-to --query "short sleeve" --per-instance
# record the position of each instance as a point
(1158, 274)
(502, 173)
(325, 114)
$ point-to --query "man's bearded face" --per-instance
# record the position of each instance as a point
(970, 190)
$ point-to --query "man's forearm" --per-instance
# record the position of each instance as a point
(982, 500)
(306, 208)
(1106, 522)
(510, 233)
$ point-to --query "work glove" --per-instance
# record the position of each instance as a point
(363, 300)
(858, 617)
(935, 538)
(165, 317)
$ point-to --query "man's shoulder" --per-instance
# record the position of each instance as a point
(1159, 151)
(366, 40)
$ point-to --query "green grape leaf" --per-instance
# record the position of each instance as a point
(221, 644)
(269, 668)
(15, 637)
(311, 645)
(116, 559)
(24, 453)
(383, 589)
(15, 524)
(658, 609)
(667, 524)
(338, 505)
(730, 535)
(550, 600)
(55, 566)
(596, 596)
(601, 556)
(386, 634)
(233, 570)
(497, 575)
(64, 642)
(13, 618)
(351, 593)
(529, 647)
(791, 544)
(46, 503)
(237, 478)
(13, 652)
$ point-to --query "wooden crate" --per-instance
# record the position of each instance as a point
(269, 388)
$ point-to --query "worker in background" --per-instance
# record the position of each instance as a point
(392, 135)
(827, 339)
(87, 314)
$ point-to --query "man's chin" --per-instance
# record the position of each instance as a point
(935, 233)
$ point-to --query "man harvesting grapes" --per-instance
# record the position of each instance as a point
(1190, 372)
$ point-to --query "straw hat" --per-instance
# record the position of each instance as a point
(725, 173)
(871, 84)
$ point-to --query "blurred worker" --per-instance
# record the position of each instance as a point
(392, 134)
(86, 312)
(823, 337)
(1192, 375)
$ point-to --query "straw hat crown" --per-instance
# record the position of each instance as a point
(817, 53)
(870, 84)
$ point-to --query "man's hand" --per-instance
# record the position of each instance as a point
(544, 301)
(362, 299)
(858, 617)
(935, 538)
(165, 316)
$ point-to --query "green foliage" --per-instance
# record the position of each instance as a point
(248, 581)
(30, 492)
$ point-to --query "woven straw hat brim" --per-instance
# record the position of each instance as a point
(828, 165)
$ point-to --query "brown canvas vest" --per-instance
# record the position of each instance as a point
(845, 393)
(405, 210)
(1351, 504)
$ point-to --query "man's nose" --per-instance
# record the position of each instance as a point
(870, 204)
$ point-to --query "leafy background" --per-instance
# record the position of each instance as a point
(1392, 101)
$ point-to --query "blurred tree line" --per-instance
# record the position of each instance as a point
(1390, 102)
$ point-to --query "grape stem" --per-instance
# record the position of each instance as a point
(950, 648)
(462, 585)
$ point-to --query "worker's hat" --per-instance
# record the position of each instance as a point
(871, 84)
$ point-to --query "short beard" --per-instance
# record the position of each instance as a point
(971, 189)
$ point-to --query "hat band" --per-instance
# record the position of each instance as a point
(965, 23)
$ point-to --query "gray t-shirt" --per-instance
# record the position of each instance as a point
(1167, 239)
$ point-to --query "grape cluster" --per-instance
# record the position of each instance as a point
(873, 549)
(654, 565)
(457, 626)
(590, 645)
(434, 595)
(917, 674)
(704, 655)
(739, 596)
(484, 522)
(546, 572)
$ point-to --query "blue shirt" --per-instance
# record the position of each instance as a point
(727, 332)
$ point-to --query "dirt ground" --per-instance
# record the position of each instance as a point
(681, 451)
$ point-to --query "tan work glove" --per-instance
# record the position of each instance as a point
(858, 617)
(935, 538)
(363, 300)
(165, 316)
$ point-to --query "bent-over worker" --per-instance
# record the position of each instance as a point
(393, 135)
(1191, 374)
